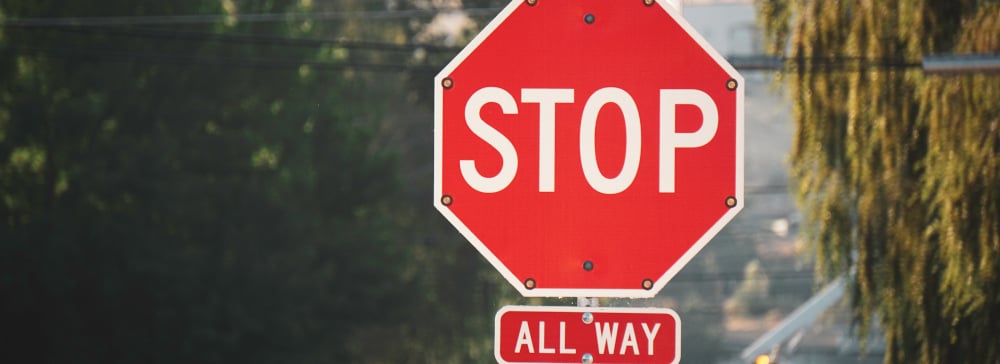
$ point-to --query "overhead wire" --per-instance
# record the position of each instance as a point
(106, 24)
(216, 61)
(159, 57)
(125, 26)
(254, 39)
(245, 18)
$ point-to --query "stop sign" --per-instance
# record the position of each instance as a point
(588, 148)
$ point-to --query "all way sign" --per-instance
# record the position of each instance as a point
(538, 334)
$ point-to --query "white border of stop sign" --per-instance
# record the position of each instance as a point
(547, 99)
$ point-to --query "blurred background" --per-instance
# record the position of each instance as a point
(249, 181)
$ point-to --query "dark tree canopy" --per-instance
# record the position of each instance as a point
(898, 172)
(189, 191)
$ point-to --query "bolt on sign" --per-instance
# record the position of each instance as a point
(534, 334)
(588, 148)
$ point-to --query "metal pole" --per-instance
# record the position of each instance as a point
(965, 63)
(802, 317)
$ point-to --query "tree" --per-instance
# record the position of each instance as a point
(897, 171)
(178, 188)
(196, 192)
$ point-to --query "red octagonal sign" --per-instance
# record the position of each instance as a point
(588, 148)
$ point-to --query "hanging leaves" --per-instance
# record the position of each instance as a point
(898, 172)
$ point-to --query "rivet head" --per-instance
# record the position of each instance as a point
(588, 318)
(587, 359)
(588, 266)
(447, 200)
(731, 201)
(647, 284)
(731, 84)
(531, 2)
(649, 2)
(529, 283)
(589, 18)
(447, 82)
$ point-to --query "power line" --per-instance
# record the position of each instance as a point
(114, 55)
(375, 46)
(245, 18)
(948, 63)
(255, 39)
(159, 58)
(935, 63)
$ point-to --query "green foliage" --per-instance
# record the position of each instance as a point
(173, 198)
(898, 172)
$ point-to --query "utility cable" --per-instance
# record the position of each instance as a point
(254, 39)
(155, 58)
(245, 18)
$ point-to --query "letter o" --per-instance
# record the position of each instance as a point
(633, 140)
